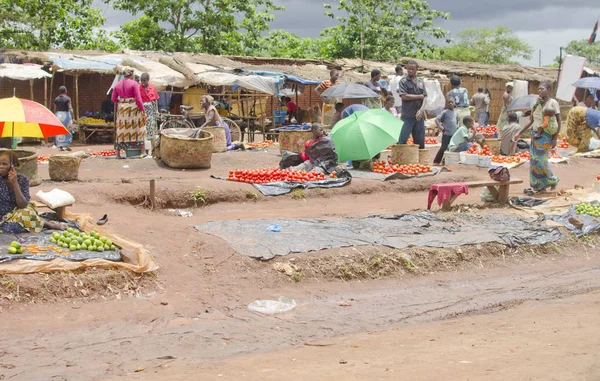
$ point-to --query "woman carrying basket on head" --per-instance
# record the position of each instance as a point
(130, 117)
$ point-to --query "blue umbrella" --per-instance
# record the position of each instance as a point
(588, 83)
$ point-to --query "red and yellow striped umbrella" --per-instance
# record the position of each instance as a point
(28, 119)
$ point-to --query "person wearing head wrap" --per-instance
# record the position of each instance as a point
(130, 117)
(507, 99)
(64, 112)
(213, 119)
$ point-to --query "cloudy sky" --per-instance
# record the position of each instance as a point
(544, 24)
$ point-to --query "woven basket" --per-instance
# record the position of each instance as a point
(64, 168)
(424, 157)
(293, 141)
(219, 138)
(28, 166)
(403, 154)
(178, 151)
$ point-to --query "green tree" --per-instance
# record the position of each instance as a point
(487, 45)
(280, 43)
(382, 30)
(583, 49)
(41, 25)
(210, 26)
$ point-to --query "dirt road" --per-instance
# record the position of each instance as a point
(193, 322)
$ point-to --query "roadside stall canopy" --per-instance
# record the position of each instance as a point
(23, 72)
(286, 77)
(72, 63)
(266, 85)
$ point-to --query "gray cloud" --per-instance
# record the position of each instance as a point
(544, 24)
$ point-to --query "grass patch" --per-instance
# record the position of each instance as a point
(198, 196)
(298, 194)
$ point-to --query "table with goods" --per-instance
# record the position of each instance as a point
(89, 127)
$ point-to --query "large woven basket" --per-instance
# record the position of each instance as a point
(179, 151)
(293, 141)
(28, 166)
(219, 138)
(64, 168)
(403, 154)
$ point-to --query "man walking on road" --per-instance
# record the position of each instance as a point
(414, 97)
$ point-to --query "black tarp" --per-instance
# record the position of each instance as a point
(425, 229)
(579, 224)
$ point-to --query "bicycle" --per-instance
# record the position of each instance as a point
(184, 120)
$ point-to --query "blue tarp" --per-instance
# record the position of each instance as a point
(80, 64)
(288, 77)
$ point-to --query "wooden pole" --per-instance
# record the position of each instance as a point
(31, 89)
(51, 86)
(77, 97)
(153, 193)
(46, 93)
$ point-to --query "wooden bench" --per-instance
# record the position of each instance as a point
(60, 211)
(500, 194)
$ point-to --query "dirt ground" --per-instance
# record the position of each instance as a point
(482, 312)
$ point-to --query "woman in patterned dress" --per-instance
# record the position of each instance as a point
(130, 118)
(149, 97)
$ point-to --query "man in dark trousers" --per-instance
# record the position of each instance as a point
(414, 97)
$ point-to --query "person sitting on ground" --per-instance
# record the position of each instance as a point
(339, 107)
(17, 214)
(352, 109)
(213, 119)
(389, 105)
(320, 160)
(447, 121)
(507, 146)
(107, 109)
(462, 139)
(291, 108)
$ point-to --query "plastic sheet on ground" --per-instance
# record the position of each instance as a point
(369, 175)
(43, 240)
(279, 188)
(584, 224)
(133, 256)
(423, 229)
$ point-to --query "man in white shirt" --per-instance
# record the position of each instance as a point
(394, 82)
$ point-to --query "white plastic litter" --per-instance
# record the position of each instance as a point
(270, 307)
(55, 198)
(125, 166)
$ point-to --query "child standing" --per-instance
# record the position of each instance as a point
(447, 121)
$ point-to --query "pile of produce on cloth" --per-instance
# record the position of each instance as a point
(506, 159)
(42, 159)
(488, 132)
(562, 143)
(106, 153)
(271, 175)
(265, 144)
(410, 169)
(485, 151)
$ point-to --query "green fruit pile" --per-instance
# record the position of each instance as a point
(74, 240)
(589, 209)
(15, 248)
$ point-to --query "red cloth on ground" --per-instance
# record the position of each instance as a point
(445, 191)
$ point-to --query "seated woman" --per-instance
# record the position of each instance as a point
(581, 123)
(213, 119)
(17, 215)
(319, 153)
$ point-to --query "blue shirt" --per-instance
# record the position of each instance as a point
(449, 120)
(352, 109)
(592, 117)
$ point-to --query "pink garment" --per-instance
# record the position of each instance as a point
(445, 191)
(128, 88)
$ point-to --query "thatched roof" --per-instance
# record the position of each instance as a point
(353, 70)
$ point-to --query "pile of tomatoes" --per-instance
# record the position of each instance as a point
(523, 155)
(485, 151)
(410, 169)
(554, 155)
(489, 130)
(265, 144)
(107, 153)
(506, 159)
(472, 150)
(42, 159)
(430, 141)
(563, 143)
(270, 175)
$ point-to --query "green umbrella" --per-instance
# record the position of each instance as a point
(364, 134)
